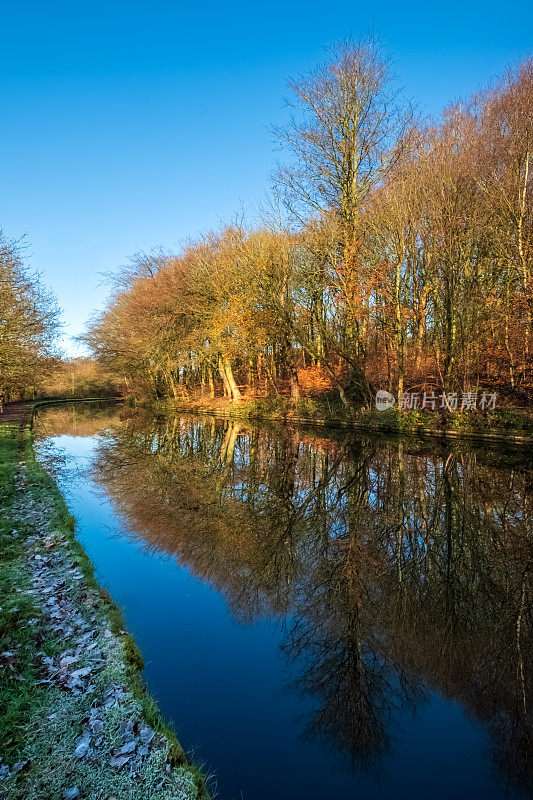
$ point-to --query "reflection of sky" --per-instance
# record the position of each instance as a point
(224, 684)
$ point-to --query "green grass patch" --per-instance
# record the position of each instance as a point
(19, 693)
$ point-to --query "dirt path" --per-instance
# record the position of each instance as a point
(16, 413)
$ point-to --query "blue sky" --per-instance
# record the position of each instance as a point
(128, 125)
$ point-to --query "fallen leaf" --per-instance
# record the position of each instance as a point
(20, 765)
(83, 746)
(129, 747)
(119, 761)
(66, 661)
(146, 735)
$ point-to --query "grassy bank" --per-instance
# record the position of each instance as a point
(513, 426)
(77, 720)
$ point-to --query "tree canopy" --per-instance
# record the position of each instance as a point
(401, 257)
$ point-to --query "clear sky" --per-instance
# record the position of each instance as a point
(127, 125)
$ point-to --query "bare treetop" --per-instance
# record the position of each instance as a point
(348, 120)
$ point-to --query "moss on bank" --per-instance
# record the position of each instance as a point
(70, 679)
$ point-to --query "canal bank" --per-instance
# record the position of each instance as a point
(508, 427)
(77, 721)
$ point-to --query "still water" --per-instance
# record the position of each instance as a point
(321, 616)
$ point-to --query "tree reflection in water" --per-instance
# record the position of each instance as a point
(396, 566)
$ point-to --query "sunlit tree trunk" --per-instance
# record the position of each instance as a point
(234, 391)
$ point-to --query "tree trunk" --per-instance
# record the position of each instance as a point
(222, 373)
(233, 388)
(211, 381)
(295, 385)
(172, 385)
(399, 332)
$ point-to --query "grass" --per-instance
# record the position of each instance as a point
(19, 694)
(26, 636)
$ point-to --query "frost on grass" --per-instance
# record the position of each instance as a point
(88, 737)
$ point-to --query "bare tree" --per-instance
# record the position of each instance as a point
(344, 134)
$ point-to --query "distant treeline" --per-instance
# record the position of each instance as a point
(394, 255)
(31, 364)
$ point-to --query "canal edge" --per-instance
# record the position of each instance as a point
(38, 489)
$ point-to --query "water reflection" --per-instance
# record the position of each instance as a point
(396, 568)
